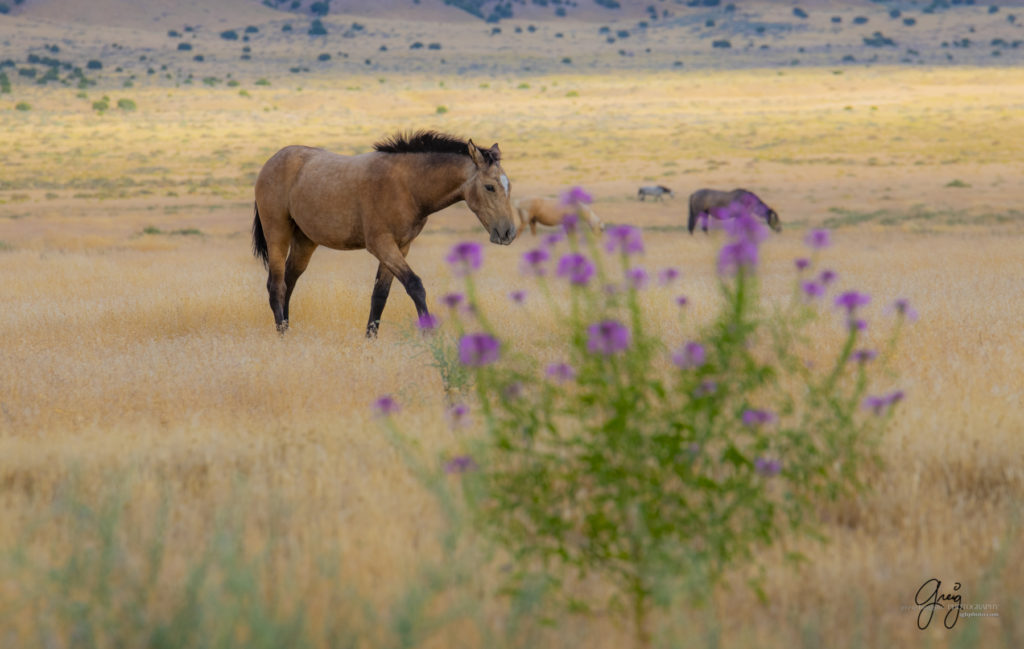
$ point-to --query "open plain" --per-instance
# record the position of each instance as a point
(145, 396)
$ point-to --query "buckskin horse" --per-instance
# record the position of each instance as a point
(532, 211)
(308, 197)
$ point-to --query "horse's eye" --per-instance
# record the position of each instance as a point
(489, 188)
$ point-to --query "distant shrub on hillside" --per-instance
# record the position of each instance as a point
(184, 47)
(252, 30)
(173, 34)
(878, 40)
(286, 27)
(229, 35)
(909, 22)
(608, 4)
(860, 20)
(799, 13)
(320, 8)
(434, 46)
(94, 64)
(415, 46)
(4, 9)
(317, 28)
(100, 105)
(722, 44)
(127, 105)
(23, 106)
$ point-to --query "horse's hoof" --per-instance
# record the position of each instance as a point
(282, 327)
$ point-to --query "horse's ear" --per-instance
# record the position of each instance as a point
(476, 155)
(495, 152)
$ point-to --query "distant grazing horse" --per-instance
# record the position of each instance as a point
(657, 191)
(532, 211)
(379, 201)
(705, 203)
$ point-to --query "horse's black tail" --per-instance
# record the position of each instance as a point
(259, 242)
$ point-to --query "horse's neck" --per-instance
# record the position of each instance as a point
(440, 179)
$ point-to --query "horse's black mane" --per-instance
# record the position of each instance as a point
(430, 142)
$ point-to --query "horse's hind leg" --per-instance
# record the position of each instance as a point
(278, 242)
(298, 259)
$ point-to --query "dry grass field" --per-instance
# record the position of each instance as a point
(139, 360)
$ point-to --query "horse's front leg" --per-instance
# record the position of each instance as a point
(392, 260)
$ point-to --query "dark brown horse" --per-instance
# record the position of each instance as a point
(705, 203)
(379, 201)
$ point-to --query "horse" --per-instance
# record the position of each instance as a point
(711, 202)
(657, 191)
(377, 201)
(532, 211)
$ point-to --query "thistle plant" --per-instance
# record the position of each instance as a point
(655, 463)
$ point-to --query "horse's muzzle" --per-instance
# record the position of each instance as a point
(504, 237)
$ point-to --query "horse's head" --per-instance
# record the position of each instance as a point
(772, 218)
(487, 194)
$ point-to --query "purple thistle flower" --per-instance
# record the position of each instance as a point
(576, 268)
(818, 239)
(553, 239)
(667, 276)
(575, 196)
(385, 406)
(460, 464)
(637, 277)
(561, 372)
(767, 467)
(858, 324)
(863, 355)
(427, 322)
(736, 255)
(534, 260)
(754, 418)
(682, 300)
(458, 415)
(689, 356)
(452, 300)
(512, 391)
(607, 337)
(624, 238)
(517, 296)
(733, 211)
(706, 388)
(570, 222)
(477, 350)
(880, 405)
(745, 227)
(827, 277)
(812, 289)
(465, 257)
(802, 263)
(903, 308)
(850, 300)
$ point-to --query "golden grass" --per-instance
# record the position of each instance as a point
(154, 355)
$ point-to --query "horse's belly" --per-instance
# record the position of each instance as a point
(333, 232)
